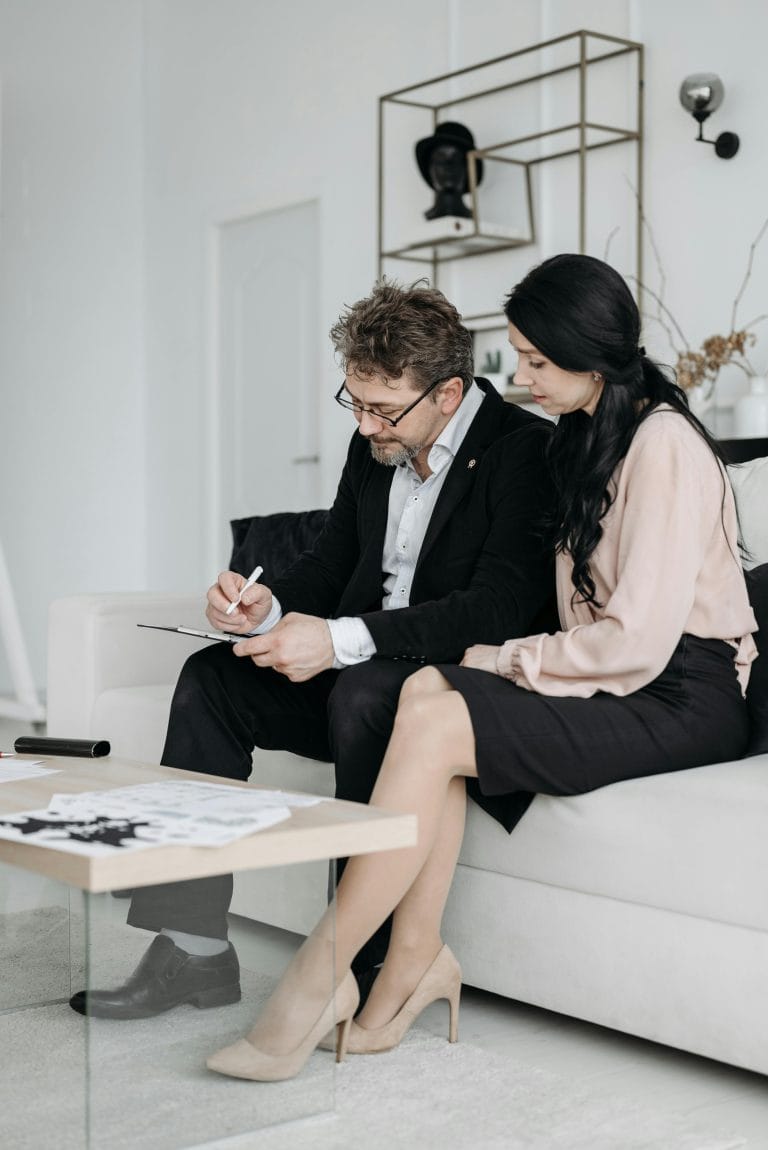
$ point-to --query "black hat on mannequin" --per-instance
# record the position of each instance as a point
(451, 133)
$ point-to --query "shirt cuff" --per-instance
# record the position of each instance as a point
(352, 642)
(274, 617)
(508, 660)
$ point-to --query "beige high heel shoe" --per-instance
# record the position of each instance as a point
(441, 980)
(243, 1060)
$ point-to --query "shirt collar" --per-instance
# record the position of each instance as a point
(443, 450)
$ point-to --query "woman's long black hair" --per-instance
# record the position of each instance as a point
(580, 314)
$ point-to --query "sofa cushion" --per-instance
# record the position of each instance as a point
(274, 541)
(691, 842)
(757, 690)
(134, 719)
(750, 488)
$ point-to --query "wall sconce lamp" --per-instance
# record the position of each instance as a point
(702, 94)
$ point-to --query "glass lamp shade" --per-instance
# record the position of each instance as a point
(701, 94)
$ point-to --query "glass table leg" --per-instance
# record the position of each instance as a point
(147, 1084)
(42, 1100)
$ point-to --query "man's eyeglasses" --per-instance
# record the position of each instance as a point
(358, 409)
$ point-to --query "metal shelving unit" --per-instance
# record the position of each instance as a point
(444, 97)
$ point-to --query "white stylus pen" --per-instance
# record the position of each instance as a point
(252, 578)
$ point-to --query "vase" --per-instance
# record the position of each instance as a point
(750, 413)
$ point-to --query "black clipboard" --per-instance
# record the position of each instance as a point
(217, 636)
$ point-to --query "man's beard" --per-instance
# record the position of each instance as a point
(395, 458)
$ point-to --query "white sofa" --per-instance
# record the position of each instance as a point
(642, 906)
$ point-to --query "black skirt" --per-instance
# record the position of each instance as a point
(691, 715)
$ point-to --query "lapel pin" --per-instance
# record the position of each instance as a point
(471, 463)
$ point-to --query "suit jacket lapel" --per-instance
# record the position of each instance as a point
(365, 584)
(461, 475)
(375, 511)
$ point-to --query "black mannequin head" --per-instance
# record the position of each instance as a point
(442, 160)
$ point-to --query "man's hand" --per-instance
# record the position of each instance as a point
(481, 657)
(254, 606)
(299, 647)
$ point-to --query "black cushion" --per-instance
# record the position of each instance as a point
(743, 450)
(757, 690)
(274, 541)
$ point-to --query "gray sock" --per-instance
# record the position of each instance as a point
(196, 943)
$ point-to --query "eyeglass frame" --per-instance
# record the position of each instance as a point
(358, 409)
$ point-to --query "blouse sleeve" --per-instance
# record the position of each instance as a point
(673, 493)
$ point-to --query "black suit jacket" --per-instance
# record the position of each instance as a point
(483, 574)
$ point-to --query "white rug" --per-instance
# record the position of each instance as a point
(151, 1090)
(431, 1094)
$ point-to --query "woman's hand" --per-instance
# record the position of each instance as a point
(481, 657)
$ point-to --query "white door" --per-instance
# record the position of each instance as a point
(266, 359)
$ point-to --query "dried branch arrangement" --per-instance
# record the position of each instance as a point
(701, 366)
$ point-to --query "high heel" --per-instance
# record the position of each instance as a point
(441, 980)
(244, 1060)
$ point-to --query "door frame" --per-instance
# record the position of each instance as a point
(212, 524)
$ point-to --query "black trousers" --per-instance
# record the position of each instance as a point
(225, 706)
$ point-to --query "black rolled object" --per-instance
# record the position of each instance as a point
(78, 748)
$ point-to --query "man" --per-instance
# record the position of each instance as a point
(433, 543)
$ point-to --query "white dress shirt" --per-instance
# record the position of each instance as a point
(411, 503)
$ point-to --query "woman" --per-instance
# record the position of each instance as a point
(647, 674)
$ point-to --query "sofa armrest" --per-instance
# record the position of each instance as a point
(94, 646)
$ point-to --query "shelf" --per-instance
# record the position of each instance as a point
(455, 237)
(563, 103)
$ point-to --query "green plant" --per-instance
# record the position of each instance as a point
(491, 363)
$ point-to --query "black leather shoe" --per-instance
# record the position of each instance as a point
(166, 977)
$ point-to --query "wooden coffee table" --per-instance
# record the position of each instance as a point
(331, 829)
(209, 1106)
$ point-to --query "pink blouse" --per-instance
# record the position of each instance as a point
(667, 563)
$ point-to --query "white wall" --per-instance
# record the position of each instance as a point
(262, 104)
(254, 106)
(72, 467)
(191, 112)
(705, 211)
